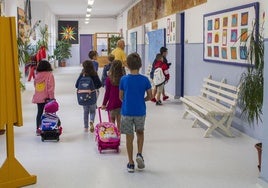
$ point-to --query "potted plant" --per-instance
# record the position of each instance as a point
(251, 81)
(113, 42)
(62, 52)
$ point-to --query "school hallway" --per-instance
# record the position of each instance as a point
(176, 155)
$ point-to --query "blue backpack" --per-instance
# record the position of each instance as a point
(86, 93)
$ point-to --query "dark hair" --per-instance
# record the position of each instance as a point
(134, 61)
(88, 68)
(111, 57)
(43, 66)
(163, 49)
(158, 57)
(116, 72)
(92, 53)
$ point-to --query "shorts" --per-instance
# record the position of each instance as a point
(128, 123)
(160, 88)
(115, 112)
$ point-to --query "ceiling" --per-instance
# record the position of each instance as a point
(77, 8)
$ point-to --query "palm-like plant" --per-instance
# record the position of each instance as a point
(251, 81)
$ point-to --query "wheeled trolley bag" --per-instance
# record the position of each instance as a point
(107, 135)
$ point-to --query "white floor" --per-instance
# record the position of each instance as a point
(176, 155)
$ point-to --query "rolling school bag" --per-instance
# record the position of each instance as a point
(50, 128)
(107, 135)
(86, 93)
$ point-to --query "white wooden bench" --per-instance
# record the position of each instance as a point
(215, 107)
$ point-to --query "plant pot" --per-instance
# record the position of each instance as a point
(62, 64)
(258, 146)
(2, 131)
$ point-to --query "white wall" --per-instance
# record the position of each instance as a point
(98, 25)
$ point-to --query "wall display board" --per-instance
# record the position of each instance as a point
(156, 40)
(133, 42)
(225, 34)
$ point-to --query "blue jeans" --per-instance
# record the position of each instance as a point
(89, 110)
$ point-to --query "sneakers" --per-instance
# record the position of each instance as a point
(165, 97)
(158, 102)
(130, 168)
(140, 161)
(91, 127)
(86, 130)
(153, 100)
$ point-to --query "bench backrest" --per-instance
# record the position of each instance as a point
(220, 92)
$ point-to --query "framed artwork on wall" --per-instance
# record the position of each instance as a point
(224, 32)
(68, 30)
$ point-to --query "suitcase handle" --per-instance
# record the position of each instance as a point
(109, 117)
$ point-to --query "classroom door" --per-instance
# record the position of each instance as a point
(85, 46)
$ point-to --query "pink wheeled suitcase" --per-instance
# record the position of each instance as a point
(107, 135)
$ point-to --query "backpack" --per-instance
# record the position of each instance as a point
(86, 93)
(159, 77)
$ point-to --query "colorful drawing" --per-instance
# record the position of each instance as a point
(224, 37)
(233, 35)
(244, 18)
(217, 24)
(243, 52)
(68, 30)
(216, 38)
(209, 39)
(224, 52)
(168, 26)
(216, 51)
(210, 24)
(234, 20)
(233, 53)
(226, 33)
(209, 51)
(225, 22)
(244, 34)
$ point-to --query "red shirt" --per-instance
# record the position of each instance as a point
(164, 67)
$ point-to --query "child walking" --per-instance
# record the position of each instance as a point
(89, 71)
(44, 85)
(106, 69)
(160, 88)
(132, 91)
(111, 101)
(93, 57)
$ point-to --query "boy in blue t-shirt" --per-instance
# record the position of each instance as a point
(132, 91)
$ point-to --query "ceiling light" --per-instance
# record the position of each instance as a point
(87, 15)
(86, 22)
(90, 2)
(89, 9)
(87, 19)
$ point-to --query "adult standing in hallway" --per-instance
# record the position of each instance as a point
(119, 53)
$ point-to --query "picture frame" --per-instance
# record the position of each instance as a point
(225, 33)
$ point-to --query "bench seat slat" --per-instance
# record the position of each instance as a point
(220, 91)
(221, 98)
(211, 106)
(221, 84)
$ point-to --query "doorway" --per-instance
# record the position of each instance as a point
(85, 46)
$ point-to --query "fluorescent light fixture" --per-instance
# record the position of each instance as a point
(90, 2)
(87, 19)
(89, 9)
(86, 22)
(87, 15)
